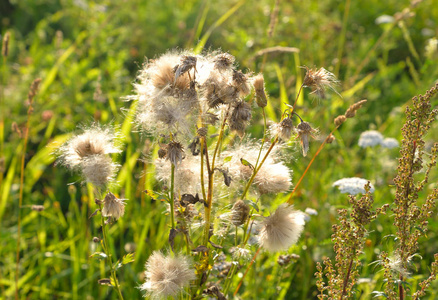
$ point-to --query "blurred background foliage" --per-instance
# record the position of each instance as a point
(87, 54)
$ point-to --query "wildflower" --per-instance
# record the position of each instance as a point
(352, 186)
(241, 83)
(370, 138)
(89, 152)
(319, 81)
(98, 169)
(273, 176)
(175, 153)
(282, 229)
(240, 117)
(283, 129)
(223, 61)
(167, 276)
(259, 86)
(239, 213)
(390, 143)
(304, 132)
(113, 207)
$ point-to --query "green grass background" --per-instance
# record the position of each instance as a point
(75, 47)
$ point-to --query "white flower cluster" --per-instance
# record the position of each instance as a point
(371, 138)
(352, 185)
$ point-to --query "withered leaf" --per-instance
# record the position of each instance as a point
(215, 245)
(200, 248)
(172, 234)
(93, 214)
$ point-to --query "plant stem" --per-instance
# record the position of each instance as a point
(347, 277)
(246, 272)
(32, 92)
(289, 200)
(108, 253)
(172, 195)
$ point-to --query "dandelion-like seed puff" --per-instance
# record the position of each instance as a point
(113, 207)
(319, 81)
(282, 229)
(88, 153)
(166, 276)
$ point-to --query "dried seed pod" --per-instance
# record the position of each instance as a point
(340, 119)
(239, 213)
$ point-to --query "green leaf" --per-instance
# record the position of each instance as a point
(128, 258)
(99, 255)
(252, 204)
(246, 163)
(227, 159)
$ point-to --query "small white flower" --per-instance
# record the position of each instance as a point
(352, 186)
(370, 138)
(390, 143)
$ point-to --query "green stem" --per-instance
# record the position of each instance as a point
(108, 253)
(172, 196)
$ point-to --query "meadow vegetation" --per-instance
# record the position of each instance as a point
(107, 181)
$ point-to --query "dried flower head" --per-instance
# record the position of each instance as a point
(305, 131)
(89, 152)
(240, 116)
(240, 81)
(259, 86)
(239, 213)
(370, 138)
(351, 111)
(112, 206)
(167, 276)
(283, 130)
(352, 185)
(223, 61)
(319, 81)
(340, 119)
(273, 177)
(282, 229)
(175, 152)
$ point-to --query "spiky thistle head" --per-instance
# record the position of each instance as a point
(319, 81)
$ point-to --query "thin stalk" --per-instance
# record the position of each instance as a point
(342, 36)
(210, 169)
(264, 137)
(204, 195)
(296, 98)
(172, 195)
(246, 272)
(108, 253)
(347, 278)
(289, 200)
(32, 92)
(254, 173)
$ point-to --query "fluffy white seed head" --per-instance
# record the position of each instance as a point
(98, 169)
(113, 207)
(166, 276)
(282, 229)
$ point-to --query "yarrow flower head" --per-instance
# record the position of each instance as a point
(390, 143)
(89, 152)
(282, 229)
(352, 186)
(113, 207)
(370, 138)
(166, 276)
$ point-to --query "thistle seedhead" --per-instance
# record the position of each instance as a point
(239, 213)
(223, 61)
(282, 229)
(259, 86)
(167, 276)
(240, 116)
(319, 81)
(305, 131)
(113, 207)
(175, 153)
